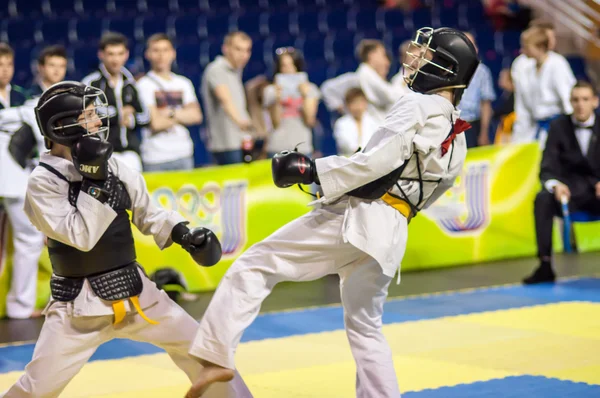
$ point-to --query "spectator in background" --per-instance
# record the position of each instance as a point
(127, 112)
(292, 102)
(372, 77)
(353, 130)
(476, 104)
(171, 99)
(571, 169)
(9, 95)
(542, 87)
(525, 127)
(398, 80)
(504, 112)
(52, 68)
(507, 14)
(28, 242)
(227, 117)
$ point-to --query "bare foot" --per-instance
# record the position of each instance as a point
(210, 374)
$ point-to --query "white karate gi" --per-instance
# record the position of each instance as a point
(28, 242)
(361, 240)
(540, 95)
(73, 330)
(348, 137)
(380, 93)
(334, 90)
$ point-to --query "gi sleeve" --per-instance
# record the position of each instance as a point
(378, 91)
(387, 150)
(147, 216)
(334, 90)
(48, 208)
(564, 80)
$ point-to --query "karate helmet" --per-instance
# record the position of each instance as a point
(439, 59)
(60, 106)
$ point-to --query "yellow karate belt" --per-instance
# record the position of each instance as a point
(401, 205)
(119, 309)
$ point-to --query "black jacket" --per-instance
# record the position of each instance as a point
(121, 138)
(564, 161)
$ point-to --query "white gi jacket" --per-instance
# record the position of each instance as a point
(334, 90)
(417, 123)
(48, 208)
(13, 178)
(540, 94)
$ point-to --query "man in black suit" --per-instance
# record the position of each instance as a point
(570, 168)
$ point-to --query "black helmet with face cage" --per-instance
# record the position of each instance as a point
(59, 108)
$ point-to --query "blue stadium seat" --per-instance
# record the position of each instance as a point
(446, 17)
(18, 32)
(187, 7)
(253, 69)
(208, 50)
(486, 42)
(251, 22)
(344, 65)
(419, 18)
(279, 23)
(126, 26)
(57, 31)
(312, 46)
(23, 65)
(317, 70)
(578, 66)
(305, 21)
(91, 8)
(336, 21)
(188, 54)
(30, 8)
(155, 24)
(472, 16)
(62, 8)
(510, 43)
(220, 24)
(125, 8)
(85, 59)
(158, 7)
(89, 31)
(363, 19)
(187, 27)
(342, 45)
(277, 5)
(394, 19)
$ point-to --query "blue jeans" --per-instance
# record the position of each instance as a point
(174, 165)
(228, 157)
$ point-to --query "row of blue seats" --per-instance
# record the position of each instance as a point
(100, 8)
(24, 31)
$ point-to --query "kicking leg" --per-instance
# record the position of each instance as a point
(308, 248)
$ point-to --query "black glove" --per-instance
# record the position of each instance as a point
(291, 168)
(90, 156)
(200, 242)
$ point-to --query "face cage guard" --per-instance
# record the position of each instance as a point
(98, 98)
(421, 41)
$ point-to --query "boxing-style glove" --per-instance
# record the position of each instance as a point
(90, 157)
(292, 167)
(201, 243)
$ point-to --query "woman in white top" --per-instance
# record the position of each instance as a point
(353, 130)
(292, 102)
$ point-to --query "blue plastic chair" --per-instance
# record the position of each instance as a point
(569, 219)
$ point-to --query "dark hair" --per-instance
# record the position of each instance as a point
(158, 37)
(296, 55)
(352, 94)
(6, 50)
(51, 51)
(585, 84)
(366, 47)
(113, 39)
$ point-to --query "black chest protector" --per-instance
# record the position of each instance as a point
(115, 248)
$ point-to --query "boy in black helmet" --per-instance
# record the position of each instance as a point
(79, 197)
(359, 228)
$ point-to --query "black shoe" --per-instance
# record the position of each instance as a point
(541, 275)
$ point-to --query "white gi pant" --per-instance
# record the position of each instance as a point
(306, 249)
(28, 244)
(66, 343)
